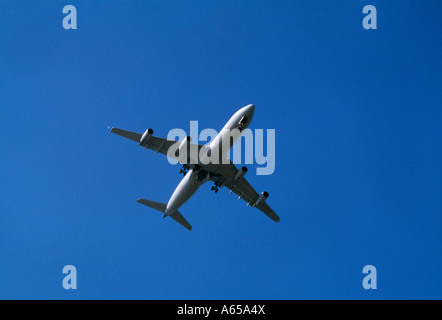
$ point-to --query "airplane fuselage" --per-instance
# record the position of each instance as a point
(221, 144)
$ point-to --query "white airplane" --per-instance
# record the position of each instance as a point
(198, 170)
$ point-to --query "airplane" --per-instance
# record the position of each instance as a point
(198, 170)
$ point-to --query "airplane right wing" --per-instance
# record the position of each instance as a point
(155, 143)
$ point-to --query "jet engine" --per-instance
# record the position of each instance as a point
(146, 136)
(262, 198)
(241, 172)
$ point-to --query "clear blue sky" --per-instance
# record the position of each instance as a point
(358, 176)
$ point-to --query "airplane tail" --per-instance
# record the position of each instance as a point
(162, 208)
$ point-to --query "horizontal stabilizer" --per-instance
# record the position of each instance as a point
(180, 219)
(153, 204)
(162, 207)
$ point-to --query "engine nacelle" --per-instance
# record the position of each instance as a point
(146, 136)
(241, 172)
(262, 198)
(183, 145)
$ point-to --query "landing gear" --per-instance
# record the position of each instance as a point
(216, 187)
(184, 169)
(202, 174)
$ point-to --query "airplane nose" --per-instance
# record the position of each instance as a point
(250, 110)
(245, 112)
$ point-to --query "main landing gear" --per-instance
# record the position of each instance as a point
(216, 187)
(184, 169)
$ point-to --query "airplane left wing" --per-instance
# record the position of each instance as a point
(225, 174)
(246, 192)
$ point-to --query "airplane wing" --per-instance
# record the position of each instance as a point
(156, 144)
(225, 174)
